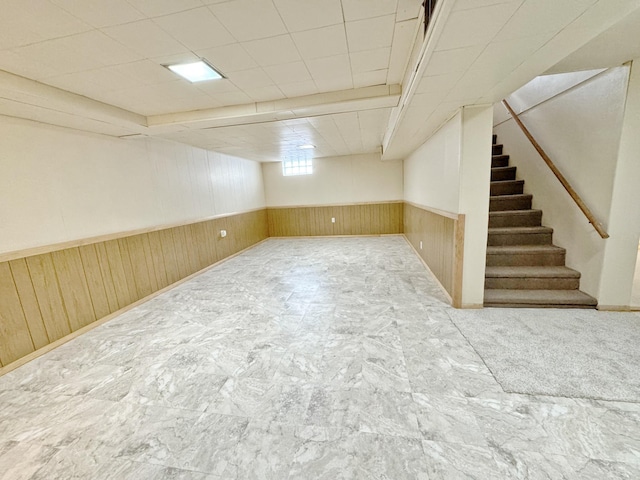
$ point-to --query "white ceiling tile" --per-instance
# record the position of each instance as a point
(334, 84)
(408, 9)
(403, 39)
(155, 8)
(361, 9)
(85, 51)
(265, 94)
(438, 85)
(186, 56)
(272, 51)
(475, 83)
(35, 65)
(289, 73)
(233, 98)
(195, 29)
(475, 26)
(101, 13)
(507, 55)
(309, 14)
(146, 38)
(97, 45)
(146, 72)
(367, 79)
(298, 89)
(370, 60)
(229, 58)
(220, 86)
(542, 16)
(482, 3)
(92, 82)
(253, 78)
(328, 68)
(322, 42)
(33, 21)
(250, 19)
(370, 34)
(455, 60)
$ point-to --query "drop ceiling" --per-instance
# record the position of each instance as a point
(348, 76)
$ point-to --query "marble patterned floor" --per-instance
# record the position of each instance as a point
(298, 359)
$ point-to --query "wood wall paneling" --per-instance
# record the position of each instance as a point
(157, 257)
(359, 219)
(438, 236)
(29, 302)
(45, 284)
(95, 281)
(15, 339)
(107, 277)
(74, 288)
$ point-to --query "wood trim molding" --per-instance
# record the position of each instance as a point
(458, 261)
(81, 242)
(442, 213)
(322, 205)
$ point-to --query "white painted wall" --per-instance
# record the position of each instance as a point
(335, 181)
(432, 172)
(580, 129)
(58, 184)
(620, 250)
(475, 181)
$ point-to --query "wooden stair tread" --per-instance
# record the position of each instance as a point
(506, 182)
(518, 230)
(531, 272)
(524, 249)
(510, 196)
(514, 212)
(538, 298)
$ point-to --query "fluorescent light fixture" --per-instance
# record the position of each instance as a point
(196, 71)
(306, 147)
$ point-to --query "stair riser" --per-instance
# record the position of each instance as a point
(498, 240)
(502, 204)
(494, 139)
(496, 149)
(533, 283)
(503, 174)
(532, 219)
(514, 188)
(500, 161)
(535, 305)
(525, 259)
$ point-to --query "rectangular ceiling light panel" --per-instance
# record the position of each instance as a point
(196, 71)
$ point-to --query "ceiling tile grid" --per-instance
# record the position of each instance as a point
(115, 52)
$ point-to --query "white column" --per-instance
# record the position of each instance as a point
(621, 249)
(475, 175)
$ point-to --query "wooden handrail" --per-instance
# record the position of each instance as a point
(565, 183)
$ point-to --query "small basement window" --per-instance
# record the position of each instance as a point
(297, 166)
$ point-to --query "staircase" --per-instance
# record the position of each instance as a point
(524, 269)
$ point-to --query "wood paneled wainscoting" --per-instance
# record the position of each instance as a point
(48, 293)
(442, 237)
(354, 219)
